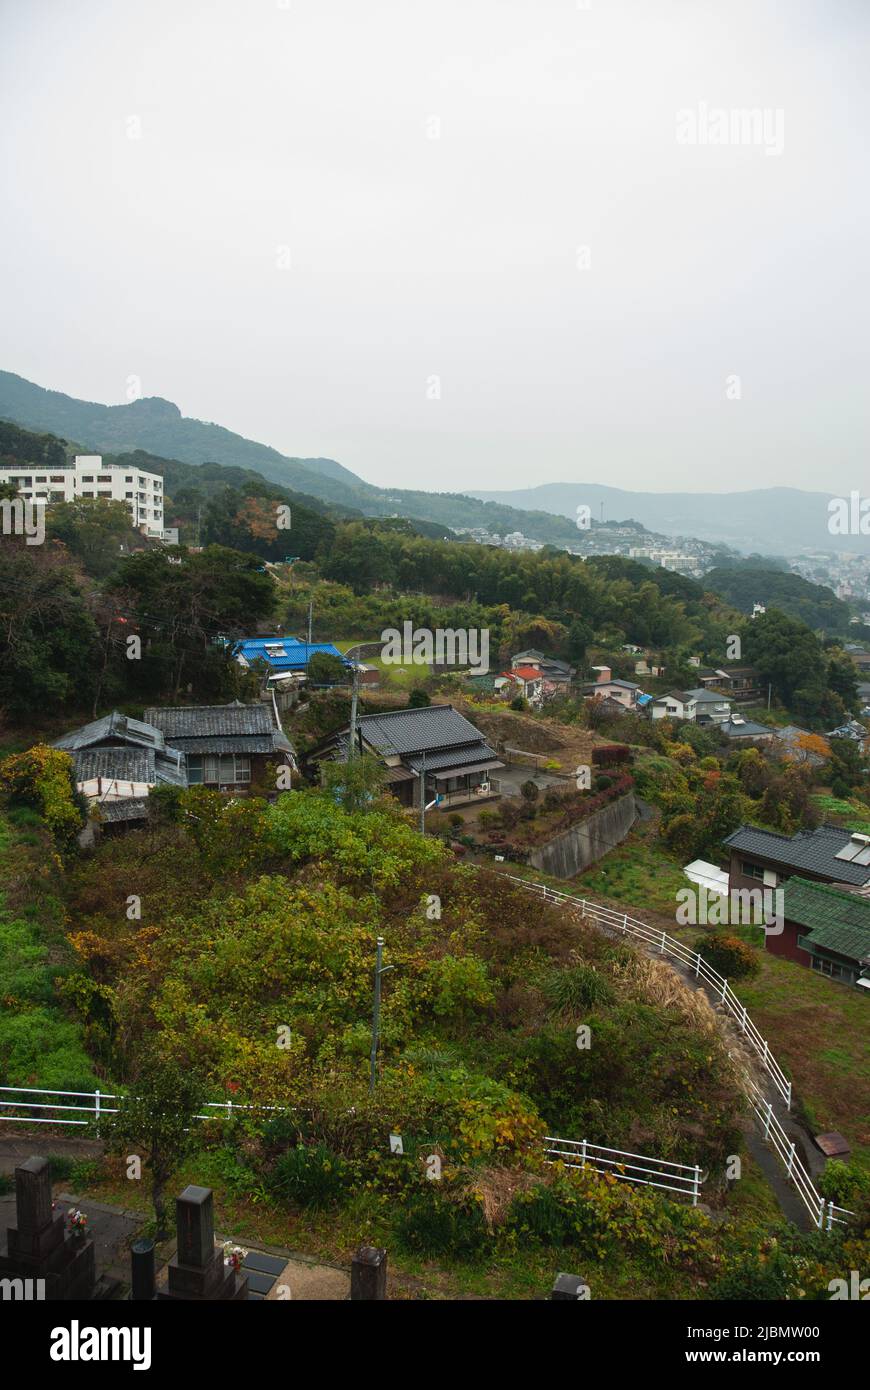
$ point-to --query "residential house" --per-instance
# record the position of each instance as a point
(742, 683)
(739, 731)
(825, 929)
(236, 748)
(828, 854)
(435, 740)
(860, 657)
(790, 738)
(528, 682)
(284, 656)
(677, 704)
(116, 762)
(557, 675)
(604, 686)
(852, 730)
(710, 706)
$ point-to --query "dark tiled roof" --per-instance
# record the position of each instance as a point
(835, 921)
(130, 765)
(412, 730)
(112, 726)
(745, 728)
(812, 850)
(131, 808)
(260, 743)
(202, 721)
(454, 757)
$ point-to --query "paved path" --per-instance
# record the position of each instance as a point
(790, 1204)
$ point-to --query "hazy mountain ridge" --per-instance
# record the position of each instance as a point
(779, 520)
(770, 520)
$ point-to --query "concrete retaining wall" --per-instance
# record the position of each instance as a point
(574, 850)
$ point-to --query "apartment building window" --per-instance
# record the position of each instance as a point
(61, 479)
(104, 478)
(128, 480)
(128, 496)
(214, 769)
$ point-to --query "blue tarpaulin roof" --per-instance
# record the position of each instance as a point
(283, 653)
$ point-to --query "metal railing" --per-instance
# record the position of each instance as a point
(682, 1178)
(825, 1215)
(685, 1179)
(93, 1110)
(667, 945)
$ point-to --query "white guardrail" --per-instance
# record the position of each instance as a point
(682, 1178)
(669, 946)
(93, 1110)
(824, 1214)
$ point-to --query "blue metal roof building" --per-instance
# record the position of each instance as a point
(283, 655)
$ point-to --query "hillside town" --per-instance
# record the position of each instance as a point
(434, 678)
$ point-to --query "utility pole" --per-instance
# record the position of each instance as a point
(308, 644)
(768, 694)
(423, 796)
(380, 969)
(353, 701)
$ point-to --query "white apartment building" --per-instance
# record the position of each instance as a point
(90, 477)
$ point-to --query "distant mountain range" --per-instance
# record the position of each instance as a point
(770, 521)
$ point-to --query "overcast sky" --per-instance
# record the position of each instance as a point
(433, 172)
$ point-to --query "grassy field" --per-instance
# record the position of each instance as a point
(395, 677)
(638, 873)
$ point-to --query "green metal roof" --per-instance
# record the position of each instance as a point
(835, 921)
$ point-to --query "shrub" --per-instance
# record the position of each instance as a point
(433, 1224)
(418, 699)
(729, 955)
(310, 1176)
(281, 1131)
(455, 819)
(530, 790)
(610, 754)
(519, 704)
(752, 1279)
(43, 779)
(577, 988)
(843, 1183)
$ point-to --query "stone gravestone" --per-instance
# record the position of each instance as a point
(197, 1270)
(368, 1273)
(39, 1246)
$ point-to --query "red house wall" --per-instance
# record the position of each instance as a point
(785, 944)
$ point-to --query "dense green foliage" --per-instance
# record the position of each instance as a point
(813, 604)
